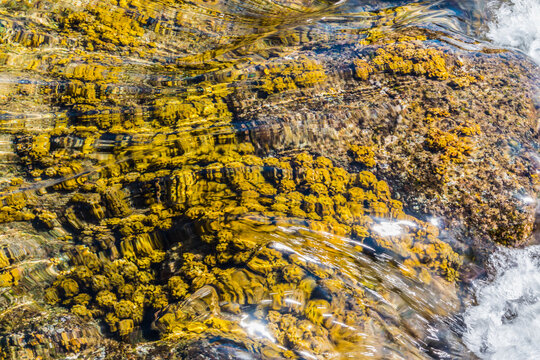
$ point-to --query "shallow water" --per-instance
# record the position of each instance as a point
(269, 179)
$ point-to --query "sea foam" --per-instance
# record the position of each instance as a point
(505, 323)
(516, 23)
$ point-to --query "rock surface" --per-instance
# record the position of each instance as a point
(287, 191)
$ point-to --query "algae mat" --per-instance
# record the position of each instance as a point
(253, 180)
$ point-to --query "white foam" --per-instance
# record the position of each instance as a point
(505, 324)
(516, 23)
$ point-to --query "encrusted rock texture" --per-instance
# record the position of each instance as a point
(171, 193)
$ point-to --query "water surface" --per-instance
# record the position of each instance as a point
(269, 179)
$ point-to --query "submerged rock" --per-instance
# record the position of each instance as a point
(279, 193)
(455, 138)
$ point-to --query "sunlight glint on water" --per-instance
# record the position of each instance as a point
(353, 276)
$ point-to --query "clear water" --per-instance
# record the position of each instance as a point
(231, 48)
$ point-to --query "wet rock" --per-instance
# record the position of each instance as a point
(257, 196)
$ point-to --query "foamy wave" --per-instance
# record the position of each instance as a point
(516, 23)
(506, 322)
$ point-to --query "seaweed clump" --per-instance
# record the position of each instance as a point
(408, 55)
(228, 201)
(104, 28)
(291, 75)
